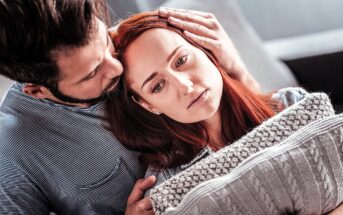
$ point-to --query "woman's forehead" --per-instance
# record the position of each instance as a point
(159, 39)
(149, 52)
(152, 46)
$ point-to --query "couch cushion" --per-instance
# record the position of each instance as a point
(270, 73)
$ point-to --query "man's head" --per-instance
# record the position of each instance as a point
(59, 48)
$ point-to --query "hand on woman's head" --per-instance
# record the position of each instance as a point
(204, 29)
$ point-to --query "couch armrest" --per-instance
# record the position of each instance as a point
(315, 60)
(314, 44)
(320, 73)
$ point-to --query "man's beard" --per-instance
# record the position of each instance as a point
(68, 99)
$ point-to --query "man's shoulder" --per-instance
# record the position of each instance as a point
(11, 175)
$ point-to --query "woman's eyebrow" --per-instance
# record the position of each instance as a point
(155, 73)
(173, 53)
(149, 79)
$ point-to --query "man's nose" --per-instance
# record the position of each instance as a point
(114, 67)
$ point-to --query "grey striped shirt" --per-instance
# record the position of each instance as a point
(61, 159)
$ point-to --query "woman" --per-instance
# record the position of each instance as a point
(181, 105)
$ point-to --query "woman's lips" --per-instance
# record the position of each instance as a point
(198, 98)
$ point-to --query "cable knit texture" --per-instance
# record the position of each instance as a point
(280, 185)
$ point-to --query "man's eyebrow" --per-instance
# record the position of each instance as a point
(155, 73)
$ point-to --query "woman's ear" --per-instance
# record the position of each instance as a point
(36, 91)
(146, 105)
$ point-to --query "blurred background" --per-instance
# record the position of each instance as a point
(284, 43)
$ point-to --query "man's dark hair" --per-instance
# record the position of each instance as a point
(31, 29)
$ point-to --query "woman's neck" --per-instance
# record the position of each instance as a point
(214, 129)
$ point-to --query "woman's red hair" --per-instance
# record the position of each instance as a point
(163, 142)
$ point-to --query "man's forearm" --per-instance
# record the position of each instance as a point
(239, 72)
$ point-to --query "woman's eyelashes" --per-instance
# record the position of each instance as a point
(181, 60)
(159, 86)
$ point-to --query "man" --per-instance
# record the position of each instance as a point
(56, 154)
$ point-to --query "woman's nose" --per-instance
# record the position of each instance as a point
(183, 83)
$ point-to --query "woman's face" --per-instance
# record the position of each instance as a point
(173, 77)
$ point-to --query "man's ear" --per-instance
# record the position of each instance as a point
(147, 106)
(36, 91)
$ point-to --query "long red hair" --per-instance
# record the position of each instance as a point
(163, 142)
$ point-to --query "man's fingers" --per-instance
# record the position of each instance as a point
(194, 28)
(140, 187)
(189, 16)
(205, 42)
(143, 207)
(166, 12)
(151, 212)
(144, 204)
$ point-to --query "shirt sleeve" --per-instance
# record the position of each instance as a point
(19, 194)
(160, 175)
(289, 96)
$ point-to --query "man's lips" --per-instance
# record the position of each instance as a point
(196, 98)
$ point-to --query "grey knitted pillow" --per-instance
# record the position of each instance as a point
(170, 193)
(303, 173)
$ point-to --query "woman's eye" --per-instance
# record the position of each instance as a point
(158, 87)
(181, 61)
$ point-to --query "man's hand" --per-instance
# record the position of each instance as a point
(205, 30)
(337, 211)
(136, 204)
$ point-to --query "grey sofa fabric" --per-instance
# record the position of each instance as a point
(169, 194)
(4, 85)
(270, 73)
(279, 19)
(122, 8)
(309, 45)
(149, 4)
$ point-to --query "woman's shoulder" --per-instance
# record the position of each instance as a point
(290, 95)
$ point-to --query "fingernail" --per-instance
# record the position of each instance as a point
(162, 11)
